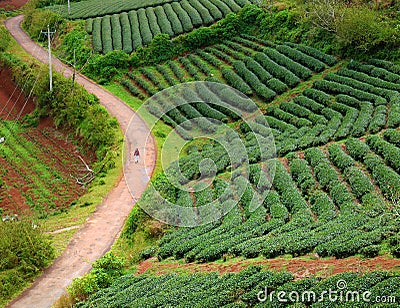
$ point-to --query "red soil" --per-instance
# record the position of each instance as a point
(54, 150)
(12, 4)
(300, 268)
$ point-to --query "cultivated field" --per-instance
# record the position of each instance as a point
(328, 198)
(37, 164)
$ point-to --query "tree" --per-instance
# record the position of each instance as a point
(325, 14)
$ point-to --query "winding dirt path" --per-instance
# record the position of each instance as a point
(102, 228)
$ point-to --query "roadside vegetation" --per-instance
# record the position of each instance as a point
(28, 245)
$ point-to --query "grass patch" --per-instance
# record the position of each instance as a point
(129, 249)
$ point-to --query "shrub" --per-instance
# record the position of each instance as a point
(356, 148)
(173, 19)
(144, 27)
(152, 20)
(214, 11)
(307, 61)
(363, 120)
(252, 79)
(163, 21)
(276, 70)
(222, 7)
(126, 33)
(89, 25)
(196, 10)
(339, 158)
(183, 17)
(135, 30)
(359, 182)
(235, 81)
(96, 36)
(315, 53)
(390, 152)
(194, 15)
(296, 68)
(393, 136)
(378, 120)
(257, 69)
(116, 32)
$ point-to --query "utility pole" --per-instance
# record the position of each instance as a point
(73, 76)
(48, 33)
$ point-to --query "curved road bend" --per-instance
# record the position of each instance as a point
(102, 228)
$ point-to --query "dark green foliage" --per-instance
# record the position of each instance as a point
(200, 64)
(89, 25)
(359, 182)
(339, 158)
(315, 53)
(194, 15)
(136, 37)
(206, 17)
(152, 20)
(116, 32)
(296, 68)
(389, 151)
(357, 149)
(235, 81)
(126, 33)
(393, 136)
(252, 80)
(298, 56)
(173, 19)
(322, 206)
(132, 89)
(257, 69)
(277, 71)
(213, 10)
(190, 68)
(209, 58)
(144, 27)
(183, 17)
(96, 36)
(378, 119)
(163, 22)
(302, 175)
(222, 6)
(166, 74)
(106, 34)
(363, 120)
(176, 70)
(276, 85)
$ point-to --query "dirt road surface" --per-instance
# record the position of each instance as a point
(102, 228)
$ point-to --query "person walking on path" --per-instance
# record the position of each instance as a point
(136, 155)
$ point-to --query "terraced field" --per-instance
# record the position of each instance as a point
(243, 290)
(257, 68)
(127, 25)
(338, 155)
(38, 165)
